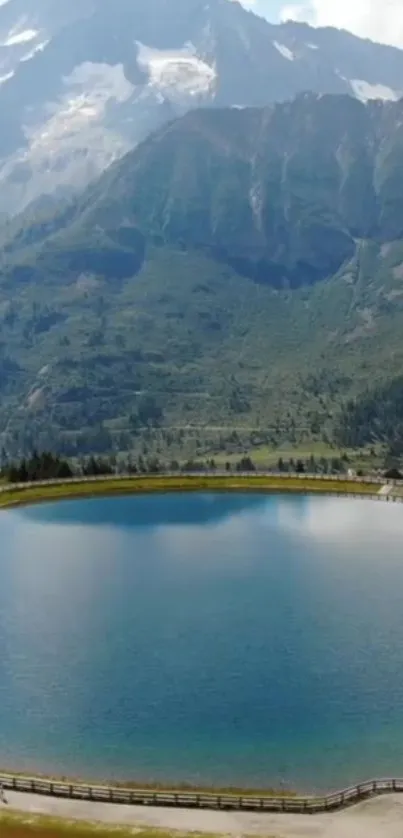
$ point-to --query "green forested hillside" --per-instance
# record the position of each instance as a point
(91, 364)
(240, 273)
(376, 416)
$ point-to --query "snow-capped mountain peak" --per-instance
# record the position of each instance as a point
(83, 82)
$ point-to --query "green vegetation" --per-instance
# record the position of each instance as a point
(153, 385)
(225, 289)
(160, 787)
(315, 457)
(182, 483)
(377, 416)
(13, 825)
(44, 466)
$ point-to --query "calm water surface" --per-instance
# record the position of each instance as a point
(209, 638)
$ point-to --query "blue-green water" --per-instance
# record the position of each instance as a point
(240, 639)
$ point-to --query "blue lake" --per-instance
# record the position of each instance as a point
(209, 638)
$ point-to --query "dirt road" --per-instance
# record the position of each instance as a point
(380, 818)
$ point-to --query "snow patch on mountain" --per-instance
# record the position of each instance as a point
(102, 75)
(68, 142)
(97, 83)
(176, 72)
(365, 91)
(284, 51)
(90, 88)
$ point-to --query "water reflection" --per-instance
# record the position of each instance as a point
(341, 520)
(214, 637)
(135, 512)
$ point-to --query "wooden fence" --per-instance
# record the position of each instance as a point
(375, 480)
(202, 800)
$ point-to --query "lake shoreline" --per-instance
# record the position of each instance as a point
(17, 495)
(163, 484)
(156, 787)
(177, 798)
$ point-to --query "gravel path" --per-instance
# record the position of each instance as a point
(379, 818)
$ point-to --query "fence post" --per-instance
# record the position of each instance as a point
(330, 802)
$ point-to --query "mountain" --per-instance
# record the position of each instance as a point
(240, 272)
(283, 194)
(82, 83)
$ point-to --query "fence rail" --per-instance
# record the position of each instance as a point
(202, 800)
(284, 477)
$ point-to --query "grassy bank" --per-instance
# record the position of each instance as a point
(182, 483)
(238, 791)
(15, 825)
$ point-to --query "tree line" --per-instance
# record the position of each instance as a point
(44, 466)
(375, 416)
(48, 466)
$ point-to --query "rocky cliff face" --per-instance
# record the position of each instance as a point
(282, 194)
(82, 83)
(239, 266)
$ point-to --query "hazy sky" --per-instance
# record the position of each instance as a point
(381, 20)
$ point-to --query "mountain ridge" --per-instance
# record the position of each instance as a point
(281, 194)
(171, 296)
(80, 86)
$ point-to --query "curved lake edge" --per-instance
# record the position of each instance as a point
(15, 495)
(308, 485)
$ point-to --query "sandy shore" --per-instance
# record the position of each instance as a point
(379, 818)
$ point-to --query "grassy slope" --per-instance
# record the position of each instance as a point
(369, 458)
(217, 351)
(15, 497)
